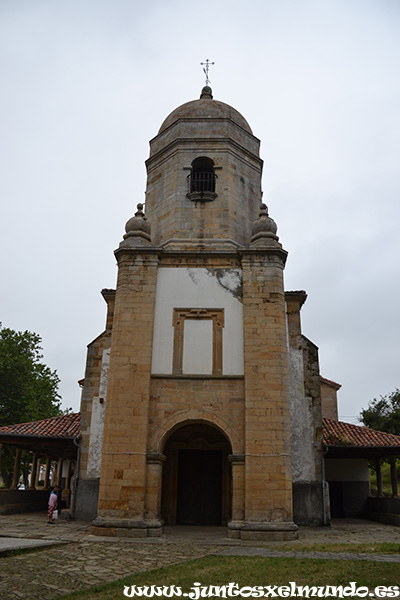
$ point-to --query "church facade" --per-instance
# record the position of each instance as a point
(201, 403)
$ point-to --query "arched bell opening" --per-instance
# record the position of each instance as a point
(202, 179)
(196, 483)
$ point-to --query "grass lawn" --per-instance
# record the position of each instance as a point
(381, 548)
(251, 571)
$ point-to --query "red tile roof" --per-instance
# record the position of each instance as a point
(340, 434)
(335, 433)
(66, 426)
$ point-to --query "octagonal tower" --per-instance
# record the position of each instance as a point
(204, 177)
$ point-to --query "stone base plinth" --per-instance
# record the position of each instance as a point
(126, 528)
(261, 531)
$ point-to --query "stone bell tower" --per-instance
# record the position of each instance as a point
(197, 423)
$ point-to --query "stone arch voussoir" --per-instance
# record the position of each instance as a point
(190, 416)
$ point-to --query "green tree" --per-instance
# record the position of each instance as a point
(383, 413)
(28, 388)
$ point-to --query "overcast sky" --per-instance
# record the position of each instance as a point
(86, 84)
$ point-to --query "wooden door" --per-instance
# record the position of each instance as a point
(199, 487)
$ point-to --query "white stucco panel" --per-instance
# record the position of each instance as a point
(97, 420)
(105, 363)
(198, 288)
(302, 433)
(197, 347)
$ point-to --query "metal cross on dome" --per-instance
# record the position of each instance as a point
(206, 65)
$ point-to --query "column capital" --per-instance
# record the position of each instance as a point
(155, 458)
(237, 459)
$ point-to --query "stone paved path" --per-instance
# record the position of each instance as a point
(77, 560)
(50, 573)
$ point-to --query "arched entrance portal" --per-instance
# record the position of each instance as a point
(196, 477)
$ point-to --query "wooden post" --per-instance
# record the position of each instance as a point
(47, 474)
(33, 472)
(393, 476)
(379, 477)
(66, 493)
(68, 475)
(39, 461)
(59, 472)
(15, 480)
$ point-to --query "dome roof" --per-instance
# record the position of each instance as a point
(205, 108)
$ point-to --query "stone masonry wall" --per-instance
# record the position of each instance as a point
(178, 400)
(267, 411)
(329, 399)
(123, 471)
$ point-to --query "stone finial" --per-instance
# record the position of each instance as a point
(206, 93)
(264, 229)
(139, 212)
(137, 230)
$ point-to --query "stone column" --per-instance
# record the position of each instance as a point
(153, 490)
(238, 483)
(379, 477)
(393, 476)
(16, 474)
(33, 472)
(47, 473)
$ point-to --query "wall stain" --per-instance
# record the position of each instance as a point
(230, 280)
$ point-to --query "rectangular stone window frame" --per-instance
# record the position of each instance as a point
(216, 315)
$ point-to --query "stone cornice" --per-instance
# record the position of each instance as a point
(151, 251)
(199, 376)
(242, 253)
(298, 296)
(276, 252)
(216, 143)
(202, 120)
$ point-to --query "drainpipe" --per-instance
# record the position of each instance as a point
(324, 516)
(76, 477)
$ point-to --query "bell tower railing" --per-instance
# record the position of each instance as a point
(201, 186)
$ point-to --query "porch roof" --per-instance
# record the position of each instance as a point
(54, 436)
(356, 441)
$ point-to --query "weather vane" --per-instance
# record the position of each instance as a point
(206, 65)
